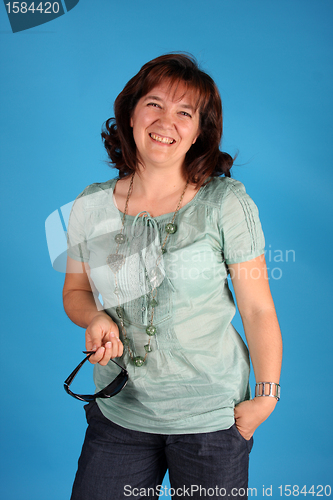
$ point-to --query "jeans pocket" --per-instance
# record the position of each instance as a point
(249, 442)
(88, 409)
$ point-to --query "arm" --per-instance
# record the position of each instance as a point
(79, 300)
(263, 336)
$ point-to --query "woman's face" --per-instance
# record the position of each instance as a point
(165, 125)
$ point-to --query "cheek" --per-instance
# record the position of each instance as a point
(140, 121)
(192, 135)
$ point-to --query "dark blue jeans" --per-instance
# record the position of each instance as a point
(118, 463)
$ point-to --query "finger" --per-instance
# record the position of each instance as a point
(107, 354)
(113, 349)
(117, 346)
(93, 342)
(120, 348)
(98, 356)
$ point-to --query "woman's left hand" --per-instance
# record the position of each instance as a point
(250, 414)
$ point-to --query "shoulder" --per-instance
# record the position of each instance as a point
(98, 188)
(229, 199)
(219, 189)
(96, 193)
(238, 221)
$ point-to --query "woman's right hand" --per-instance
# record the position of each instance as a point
(102, 336)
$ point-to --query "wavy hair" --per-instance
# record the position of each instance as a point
(204, 159)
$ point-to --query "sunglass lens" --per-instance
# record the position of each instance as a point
(116, 386)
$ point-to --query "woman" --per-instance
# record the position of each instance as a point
(157, 244)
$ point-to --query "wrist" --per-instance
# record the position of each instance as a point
(269, 390)
(265, 402)
(264, 406)
(95, 315)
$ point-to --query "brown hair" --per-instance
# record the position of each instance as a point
(204, 158)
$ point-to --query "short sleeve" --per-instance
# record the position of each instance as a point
(76, 234)
(242, 235)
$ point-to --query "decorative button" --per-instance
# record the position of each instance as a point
(138, 361)
(143, 308)
(164, 250)
(150, 330)
(148, 348)
(171, 228)
(119, 238)
(126, 342)
(153, 303)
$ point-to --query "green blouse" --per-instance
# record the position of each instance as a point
(198, 369)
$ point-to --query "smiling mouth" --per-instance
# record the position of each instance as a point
(163, 140)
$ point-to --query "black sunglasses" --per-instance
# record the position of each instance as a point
(110, 390)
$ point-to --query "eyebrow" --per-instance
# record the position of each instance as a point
(156, 98)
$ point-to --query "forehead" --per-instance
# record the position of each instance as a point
(175, 92)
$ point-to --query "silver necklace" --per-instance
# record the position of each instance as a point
(115, 262)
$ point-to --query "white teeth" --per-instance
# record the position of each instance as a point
(158, 138)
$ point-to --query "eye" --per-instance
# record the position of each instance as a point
(184, 113)
(153, 104)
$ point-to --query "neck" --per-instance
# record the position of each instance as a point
(157, 184)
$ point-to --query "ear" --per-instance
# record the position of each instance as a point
(195, 139)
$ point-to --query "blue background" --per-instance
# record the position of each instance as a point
(272, 61)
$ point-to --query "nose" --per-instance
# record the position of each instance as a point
(166, 119)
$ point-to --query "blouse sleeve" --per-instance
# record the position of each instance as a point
(76, 234)
(242, 235)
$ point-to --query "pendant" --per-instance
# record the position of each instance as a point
(115, 261)
(138, 361)
(120, 238)
(155, 277)
(120, 312)
(171, 228)
(151, 330)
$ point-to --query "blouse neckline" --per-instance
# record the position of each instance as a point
(159, 217)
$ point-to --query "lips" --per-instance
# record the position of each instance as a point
(162, 139)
